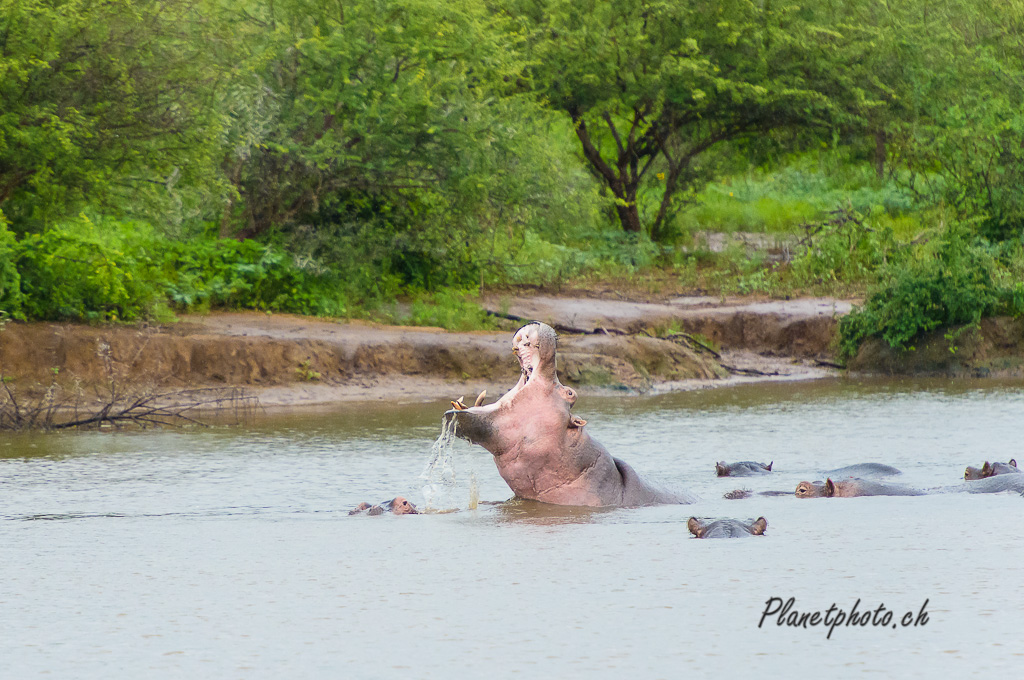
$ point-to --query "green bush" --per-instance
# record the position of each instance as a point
(73, 272)
(851, 250)
(956, 282)
(451, 310)
(10, 280)
(247, 275)
(97, 269)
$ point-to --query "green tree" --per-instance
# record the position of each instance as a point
(652, 86)
(962, 136)
(103, 102)
(386, 137)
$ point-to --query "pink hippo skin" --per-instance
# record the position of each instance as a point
(544, 452)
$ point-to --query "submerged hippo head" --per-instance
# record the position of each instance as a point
(744, 468)
(991, 469)
(850, 488)
(396, 506)
(726, 528)
(400, 506)
(815, 489)
(540, 448)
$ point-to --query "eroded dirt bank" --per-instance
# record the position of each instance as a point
(995, 349)
(287, 360)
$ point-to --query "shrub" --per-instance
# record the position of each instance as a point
(96, 269)
(71, 272)
(248, 275)
(957, 282)
(451, 310)
(10, 280)
(847, 249)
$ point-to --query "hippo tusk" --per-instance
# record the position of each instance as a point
(459, 405)
(480, 398)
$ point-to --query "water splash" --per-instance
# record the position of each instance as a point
(474, 492)
(439, 474)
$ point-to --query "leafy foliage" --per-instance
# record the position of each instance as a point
(652, 87)
(107, 270)
(957, 282)
(449, 309)
(10, 280)
(103, 103)
(350, 153)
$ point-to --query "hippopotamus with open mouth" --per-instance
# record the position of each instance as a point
(744, 468)
(726, 528)
(544, 452)
(991, 470)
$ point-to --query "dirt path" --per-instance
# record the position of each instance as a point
(289, 360)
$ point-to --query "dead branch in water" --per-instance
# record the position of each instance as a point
(57, 410)
(121, 401)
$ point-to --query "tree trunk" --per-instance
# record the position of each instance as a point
(629, 216)
(880, 153)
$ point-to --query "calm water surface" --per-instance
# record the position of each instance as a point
(229, 553)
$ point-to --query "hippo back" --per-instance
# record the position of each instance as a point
(862, 470)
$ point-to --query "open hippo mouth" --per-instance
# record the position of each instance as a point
(525, 347)
(535, 351)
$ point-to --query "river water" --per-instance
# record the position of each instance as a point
(229, 553)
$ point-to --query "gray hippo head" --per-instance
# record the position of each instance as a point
(991, 470)
(726, 528)
(744, 468)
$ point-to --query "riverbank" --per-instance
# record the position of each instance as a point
(622, 347)
(606, 346)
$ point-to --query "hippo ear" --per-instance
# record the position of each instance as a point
(830, 488)
(721, 470)
(759, 525)
(769, 469)
(986, 469)
(1013, 462)
(576, 421)
(695, 526)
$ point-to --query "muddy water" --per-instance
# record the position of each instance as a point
(229, 553)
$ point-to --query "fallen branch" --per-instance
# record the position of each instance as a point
(747, 371)
(689, 340)
(693, 341)
(560, 327)
(55, 411)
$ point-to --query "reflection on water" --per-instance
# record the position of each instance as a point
(526, 512)
(229, 552)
